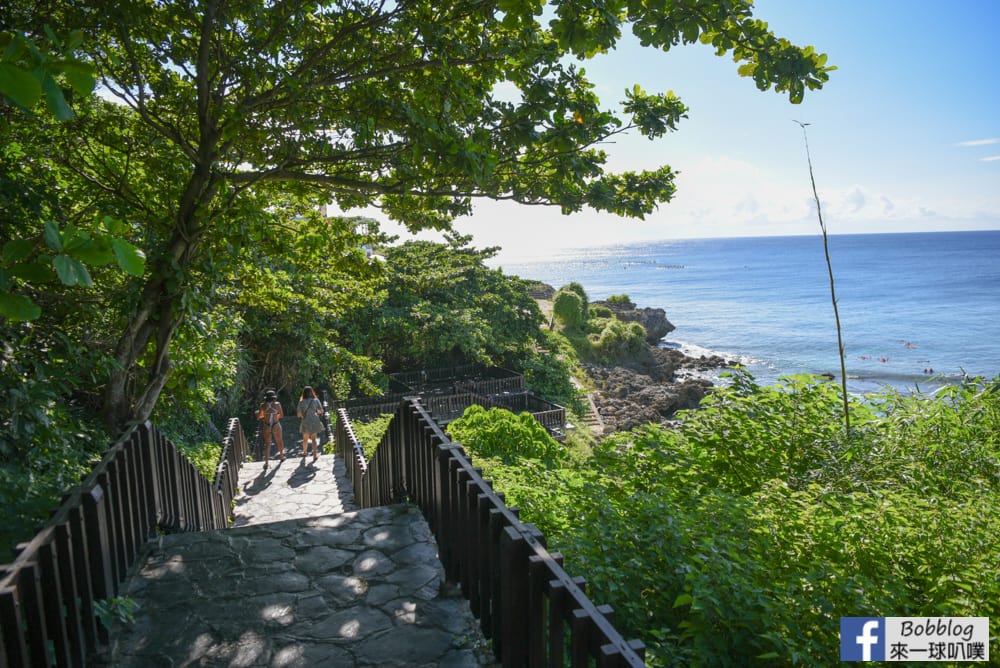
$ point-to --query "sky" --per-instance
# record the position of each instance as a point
(904, 137)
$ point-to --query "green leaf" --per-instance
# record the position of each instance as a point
(53, 237)
(130, 258)
(74, 238)
(683, 599)
(55, 99)
(80, 76)
(71, 271)
(96, 252)
(33, 272)
(18, 307)
(16, 250)
(19, 85)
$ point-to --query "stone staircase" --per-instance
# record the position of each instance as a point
(303, 578)
(592, 418)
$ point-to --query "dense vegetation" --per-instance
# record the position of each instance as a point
(163, 253)
(743, 535)
(163, 257)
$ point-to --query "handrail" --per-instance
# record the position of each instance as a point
(84, 552)
(526, 603)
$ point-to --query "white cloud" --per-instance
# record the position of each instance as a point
(855, 200)
(980, 142)
(990, 158)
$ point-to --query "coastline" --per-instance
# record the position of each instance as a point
(918, 311)
(651, 386)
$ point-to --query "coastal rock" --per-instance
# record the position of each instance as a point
(539, 290)
(648, 390)
(653, 319)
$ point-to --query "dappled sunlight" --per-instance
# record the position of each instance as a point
(173, 566)
(279, 613)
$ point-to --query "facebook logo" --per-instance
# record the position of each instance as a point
(862, 639)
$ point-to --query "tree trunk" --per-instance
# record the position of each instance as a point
(158, 313)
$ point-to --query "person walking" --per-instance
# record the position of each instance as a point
(270, 414)
(310, 408)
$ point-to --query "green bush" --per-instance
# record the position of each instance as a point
(617, 340)
(549, 376)
(622, 300)
(568, 308)
(370, 432)
(46, 443)
(496, 432)
(575, 287)
(599, 311)
(743, 535)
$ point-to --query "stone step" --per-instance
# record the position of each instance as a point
(361, 588)
(303, 578)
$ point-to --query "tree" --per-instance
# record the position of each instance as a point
(302, 297)
(227, 104)
(443, 306)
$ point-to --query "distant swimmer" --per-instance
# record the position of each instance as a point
(883, 359)
(864, 357)
(909, 345)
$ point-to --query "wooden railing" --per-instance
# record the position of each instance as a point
(83, 553)
(532, 610)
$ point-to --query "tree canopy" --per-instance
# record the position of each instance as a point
(230, 118)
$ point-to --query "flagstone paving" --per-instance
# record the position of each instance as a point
(303, 578)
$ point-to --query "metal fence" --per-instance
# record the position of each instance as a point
(83, 553)
(549, 415)
(532, 610)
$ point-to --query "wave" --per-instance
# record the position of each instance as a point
(696, 351)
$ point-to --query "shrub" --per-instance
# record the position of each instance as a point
(618, 340)
(573, 286)
(622, 300)
(549, 376)
(599, 311)
(370, 432)
(497, 432)
(743, 534)
(568, 308)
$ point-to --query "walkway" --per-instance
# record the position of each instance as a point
(302, 579)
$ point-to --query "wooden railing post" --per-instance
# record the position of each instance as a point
(82, 575)
(96, 538)
(14, 643)
(52, 599)
(34, 614)
(70, 592)
(514, 599)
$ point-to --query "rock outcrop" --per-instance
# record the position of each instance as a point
(651, 388)
(654, 384)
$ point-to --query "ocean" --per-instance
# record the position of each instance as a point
(916, 310)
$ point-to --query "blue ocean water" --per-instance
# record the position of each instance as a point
(917, 309)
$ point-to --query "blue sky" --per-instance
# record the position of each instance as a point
(904, 137)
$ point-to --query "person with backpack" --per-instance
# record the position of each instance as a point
(270, 414)
(310, 408)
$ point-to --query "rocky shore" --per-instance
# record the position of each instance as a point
(653, 385)
(650, 389)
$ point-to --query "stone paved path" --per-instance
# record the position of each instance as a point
(302, 579)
